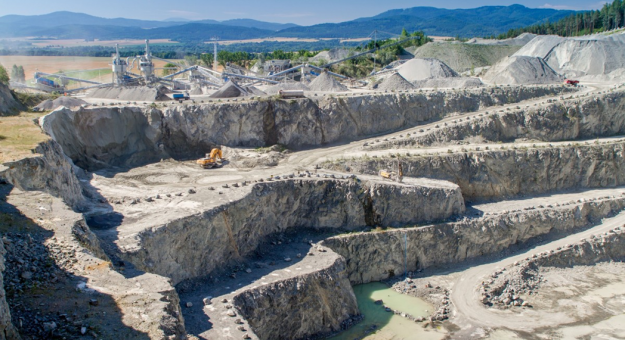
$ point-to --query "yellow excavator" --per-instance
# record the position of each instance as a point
(210, 161)
(392, 175)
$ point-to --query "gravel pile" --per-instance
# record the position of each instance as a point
(425, 68)
(522, 70)
(331, 55)
(540, 46)
(69, 102)
(196, 91)
(130, 93)
(395, 83)
(588, 56)
(229, 90)
(326, 83)
(521, 40)
(455, 82)
(286, 87)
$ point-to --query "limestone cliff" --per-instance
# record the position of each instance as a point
(234, 230)
(496, 174)
(302, 307)
(128, 136)
(8, 104)
(449, 243)
(7, 330)
(50, 171)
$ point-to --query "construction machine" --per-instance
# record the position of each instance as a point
(210, 161)
(392, 175)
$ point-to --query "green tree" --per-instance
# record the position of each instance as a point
(190, 60)
(207, 59)
(168, 69)
(4, 76)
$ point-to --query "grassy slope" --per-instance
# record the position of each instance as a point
(18, 136)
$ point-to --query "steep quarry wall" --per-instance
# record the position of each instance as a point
(51, 172)
(196, 245)
(8, 104)
(495, 174)
(7, 330)
(376, 256)
(597, 116)
(99, 137)
(311, 305)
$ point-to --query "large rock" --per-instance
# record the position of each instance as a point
(8, 104)
(50, 171)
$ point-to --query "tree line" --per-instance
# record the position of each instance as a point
(610, 16)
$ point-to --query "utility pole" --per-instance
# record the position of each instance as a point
(214, 39)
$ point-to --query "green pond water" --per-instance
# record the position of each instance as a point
(389, 326)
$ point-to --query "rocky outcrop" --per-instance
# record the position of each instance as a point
(572, 118)
(95, 138)
(8, 104)
(311, 305)
(51, 171)
(496, 174)
(7, 330)
(234, 230)
(450, 243)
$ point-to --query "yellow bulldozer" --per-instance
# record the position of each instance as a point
(211, 159)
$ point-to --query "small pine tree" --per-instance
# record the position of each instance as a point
(4, 76)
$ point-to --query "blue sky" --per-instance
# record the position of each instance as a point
(296, 11)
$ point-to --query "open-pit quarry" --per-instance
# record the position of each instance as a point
(508, 222)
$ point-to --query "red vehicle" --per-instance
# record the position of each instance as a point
(571, 82)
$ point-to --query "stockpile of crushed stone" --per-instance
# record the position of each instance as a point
(443, 83)
(540, 46)
(331, 55)
(597, 56)
(395, 83)
(326, 83)
(465, 57)
(425, 68)
(196, 91)
(69, 102)
(233, 90)
(518, 41)
(229, 90)
(286, 87)
(522, 70)
(129, 93)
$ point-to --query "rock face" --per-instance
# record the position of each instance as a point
(8, 104)
(448, 243)
(232, 231)
(306, 306)
(51, 172)
(496, 174)
(95, 138)
(599, 116)
(7, 330)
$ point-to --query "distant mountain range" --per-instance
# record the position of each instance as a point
(482, 21)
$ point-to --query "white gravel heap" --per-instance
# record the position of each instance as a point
(286, 87)
(425, 68)
(326, 83)
(395, 83)
(331, 55)
(229, 90)
(540, 46)
(130, 93)
(449, 83)
(518, 41)
(69, 102)
(522, 70)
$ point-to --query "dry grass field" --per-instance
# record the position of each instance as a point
(18, 136)
(56, 64)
